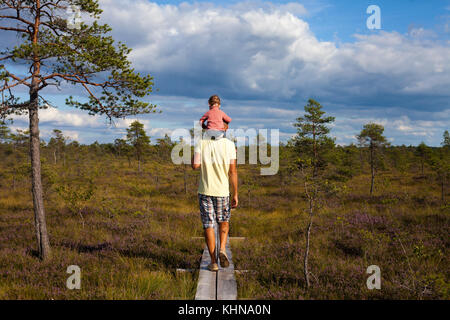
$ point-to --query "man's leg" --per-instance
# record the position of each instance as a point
(223, 217)
(210, 239)
(224, 227)
(208, 217)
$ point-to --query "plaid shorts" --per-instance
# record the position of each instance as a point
(213, 208)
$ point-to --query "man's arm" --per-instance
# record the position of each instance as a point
(232, 172)
(196, 161)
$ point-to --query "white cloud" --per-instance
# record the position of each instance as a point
(74, 118)
(266, 54)
(271, 52)
(160, 132)
(58, 117)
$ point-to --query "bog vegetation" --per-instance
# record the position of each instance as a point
(126, 215)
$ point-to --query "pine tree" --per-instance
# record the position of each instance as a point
(137, 138)
(440, 164)
(164, 147)
(312, 141)
(422, 152)
(58, 144)
(5, 132)
(54, 51)
(446, 142)
(312, 145)
(372, 137)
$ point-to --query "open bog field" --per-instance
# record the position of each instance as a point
(129, 231)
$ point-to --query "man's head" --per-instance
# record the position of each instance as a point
(213, 101)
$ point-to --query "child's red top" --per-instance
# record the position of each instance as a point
(215, 118)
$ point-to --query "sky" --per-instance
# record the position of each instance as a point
(265, 59)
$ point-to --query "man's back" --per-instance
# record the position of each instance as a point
(215, 164)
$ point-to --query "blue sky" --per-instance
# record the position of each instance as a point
(343, 18)
(266, 58)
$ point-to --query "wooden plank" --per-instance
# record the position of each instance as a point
(185, 270)
(206, 287)
(230, 258)
(244, 271)
(231, 238)
(226, 281)
(219, 285)
(226, 286)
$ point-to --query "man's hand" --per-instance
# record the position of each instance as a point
(234, 202)
(234, 182)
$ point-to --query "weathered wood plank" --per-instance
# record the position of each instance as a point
(226, 286)
(236, 238)
(184, 270)
(219, 285)
(226, 281)
(231, 238)
(244, 271)
(206, 287)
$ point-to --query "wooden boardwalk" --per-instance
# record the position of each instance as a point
(220, 285)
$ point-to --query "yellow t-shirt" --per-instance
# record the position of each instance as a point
(215, 164)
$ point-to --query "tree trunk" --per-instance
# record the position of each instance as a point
(36, 182)
(372, 182)
(443, 189)
(139, 162)
(35, 154)
(14, 179)
(185, 179)
(361, 160)
(308, 233)
(315, 152)
(372, 170)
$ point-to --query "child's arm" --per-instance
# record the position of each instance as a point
(203, 119)
(225, 117)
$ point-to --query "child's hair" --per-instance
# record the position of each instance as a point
(213, 100)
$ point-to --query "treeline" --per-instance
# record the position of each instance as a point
(136, 145)
(313, 147)
(372, 154)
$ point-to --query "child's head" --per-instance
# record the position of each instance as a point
(214, 100)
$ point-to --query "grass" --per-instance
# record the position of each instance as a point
(133, 239)
(403, 229)
(138, 229)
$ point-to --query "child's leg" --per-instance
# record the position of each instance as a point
(214, 134)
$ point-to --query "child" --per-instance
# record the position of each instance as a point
(215, 117)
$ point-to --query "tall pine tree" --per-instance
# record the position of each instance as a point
(312, 145)
(371, 136)
(52, 51)
(137, 138)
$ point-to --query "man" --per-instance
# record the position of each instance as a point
(216, 158)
